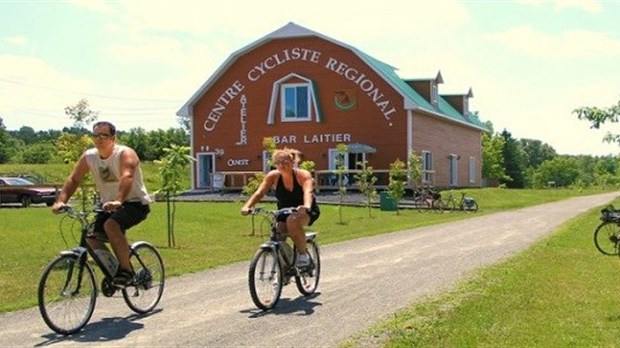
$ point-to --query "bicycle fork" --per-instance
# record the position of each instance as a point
(81, 254)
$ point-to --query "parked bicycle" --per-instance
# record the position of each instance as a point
(427, 199)
(67, 290)
(273, 264)
(607, 233)
(465, 203)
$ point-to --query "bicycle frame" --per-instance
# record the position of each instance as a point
(83, 250)
(275, 244)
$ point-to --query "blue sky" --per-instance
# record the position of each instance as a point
(529, 63)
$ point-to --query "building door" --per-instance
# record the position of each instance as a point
(454, 174)
(334, 156)
(206, 168)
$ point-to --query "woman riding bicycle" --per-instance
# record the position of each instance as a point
(294, 188)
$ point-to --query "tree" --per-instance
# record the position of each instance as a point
(414, 168)
(396, 185)
(537, 152)
(4, 142)
(70, 145)
(171, 166)
(27, 134)
(597, 117)
(38, 153)
(340, 173)
(493, 157)
(562, 170)
(81, 114)
(137, 139)
(514, 161)
(366, 182)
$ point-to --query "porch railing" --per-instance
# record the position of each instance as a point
(324, 180)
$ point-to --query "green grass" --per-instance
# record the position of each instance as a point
(561, 292)
(210, 234)
(55, 174)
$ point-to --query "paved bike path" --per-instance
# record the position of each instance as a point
(362, 280)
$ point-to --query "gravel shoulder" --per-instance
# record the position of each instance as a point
(362, 281)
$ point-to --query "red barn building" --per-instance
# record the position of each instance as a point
(311, 92)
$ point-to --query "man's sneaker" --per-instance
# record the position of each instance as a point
(303, 260)
(123, 278)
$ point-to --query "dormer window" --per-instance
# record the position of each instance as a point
(294, 98)
(434, 93)
(295, 105)
(466, 106)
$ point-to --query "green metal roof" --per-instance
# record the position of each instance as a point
(443, 108)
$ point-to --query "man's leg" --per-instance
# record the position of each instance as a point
(119, 244)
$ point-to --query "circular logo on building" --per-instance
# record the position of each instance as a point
(345, 99)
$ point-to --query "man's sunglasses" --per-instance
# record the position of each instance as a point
(100, 135)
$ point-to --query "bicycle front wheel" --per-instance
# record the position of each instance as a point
(67, 294)
(606, 238)
(307, 281)
(147, 286)
(450, 205)
(265, 279)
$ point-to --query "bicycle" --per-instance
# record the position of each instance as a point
(607, 233)
(427, 199)
(273, 265)
(467, 204)
(67, 291)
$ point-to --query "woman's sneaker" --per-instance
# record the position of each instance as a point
(123, 278)
(303, 260)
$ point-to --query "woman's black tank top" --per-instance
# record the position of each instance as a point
(286, 198)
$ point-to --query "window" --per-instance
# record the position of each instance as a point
(472, 170)
(465, 106)
(266, 161)
(454, 169)
(427, 167)
(295, 102)
(434, 94)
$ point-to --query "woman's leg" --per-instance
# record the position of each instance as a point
(295, 224)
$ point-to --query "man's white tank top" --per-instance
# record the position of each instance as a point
(106, 174)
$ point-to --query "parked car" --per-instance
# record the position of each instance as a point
(20, 190)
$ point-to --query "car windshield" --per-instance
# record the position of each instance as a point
(17, 182)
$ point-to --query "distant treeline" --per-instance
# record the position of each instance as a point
(40, 147)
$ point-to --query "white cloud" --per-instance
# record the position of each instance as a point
(16, 40)
(591, 6)
(569, 44)
(100, 6)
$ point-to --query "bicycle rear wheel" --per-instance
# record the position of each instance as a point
(470, 207)
(307, 281)
(421, 204)
(265, 279)
(67, 294)
(148, 285)
(606, 238)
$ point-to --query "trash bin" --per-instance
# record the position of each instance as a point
(386, 202)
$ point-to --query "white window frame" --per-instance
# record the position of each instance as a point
(454, 169)
(472, 170)
(283, 99)
(427, 165)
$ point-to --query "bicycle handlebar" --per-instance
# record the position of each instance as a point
(259, 210)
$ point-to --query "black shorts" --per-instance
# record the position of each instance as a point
(128, 215)
(314, 214)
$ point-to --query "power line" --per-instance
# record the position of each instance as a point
(89, 94)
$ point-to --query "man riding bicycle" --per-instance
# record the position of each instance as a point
(118, 179)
